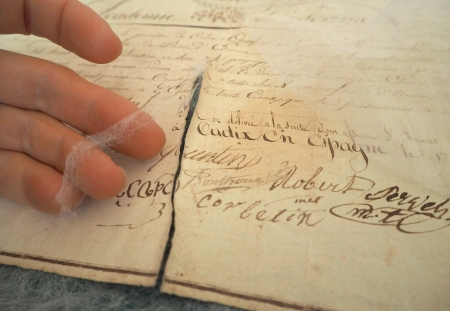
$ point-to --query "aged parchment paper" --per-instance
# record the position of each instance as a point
(123, 239)
(315, 172)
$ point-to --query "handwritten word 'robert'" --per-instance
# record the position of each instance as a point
(317, 182)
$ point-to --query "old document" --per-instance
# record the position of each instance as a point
(315, 172)
(122, 239)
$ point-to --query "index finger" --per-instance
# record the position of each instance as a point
(36, 84)
(68, 23)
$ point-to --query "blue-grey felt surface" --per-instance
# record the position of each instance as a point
(31, 290)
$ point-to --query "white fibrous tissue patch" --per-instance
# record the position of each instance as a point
(109, 138)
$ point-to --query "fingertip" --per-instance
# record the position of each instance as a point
(44, 196)
(158, 141)
(106, 46)
(149, 142)
(89, 36)
(100, 177)
(145, 141)
(68, 198)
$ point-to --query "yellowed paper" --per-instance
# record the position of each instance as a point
(315, 172)
(123, 239)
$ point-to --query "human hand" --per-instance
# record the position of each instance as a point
(36, 96)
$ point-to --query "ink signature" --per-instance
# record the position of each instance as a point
(405, 221)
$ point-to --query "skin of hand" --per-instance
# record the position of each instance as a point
(37, 96)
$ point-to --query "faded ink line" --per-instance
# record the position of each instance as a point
(245, 297)
(77, 264)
